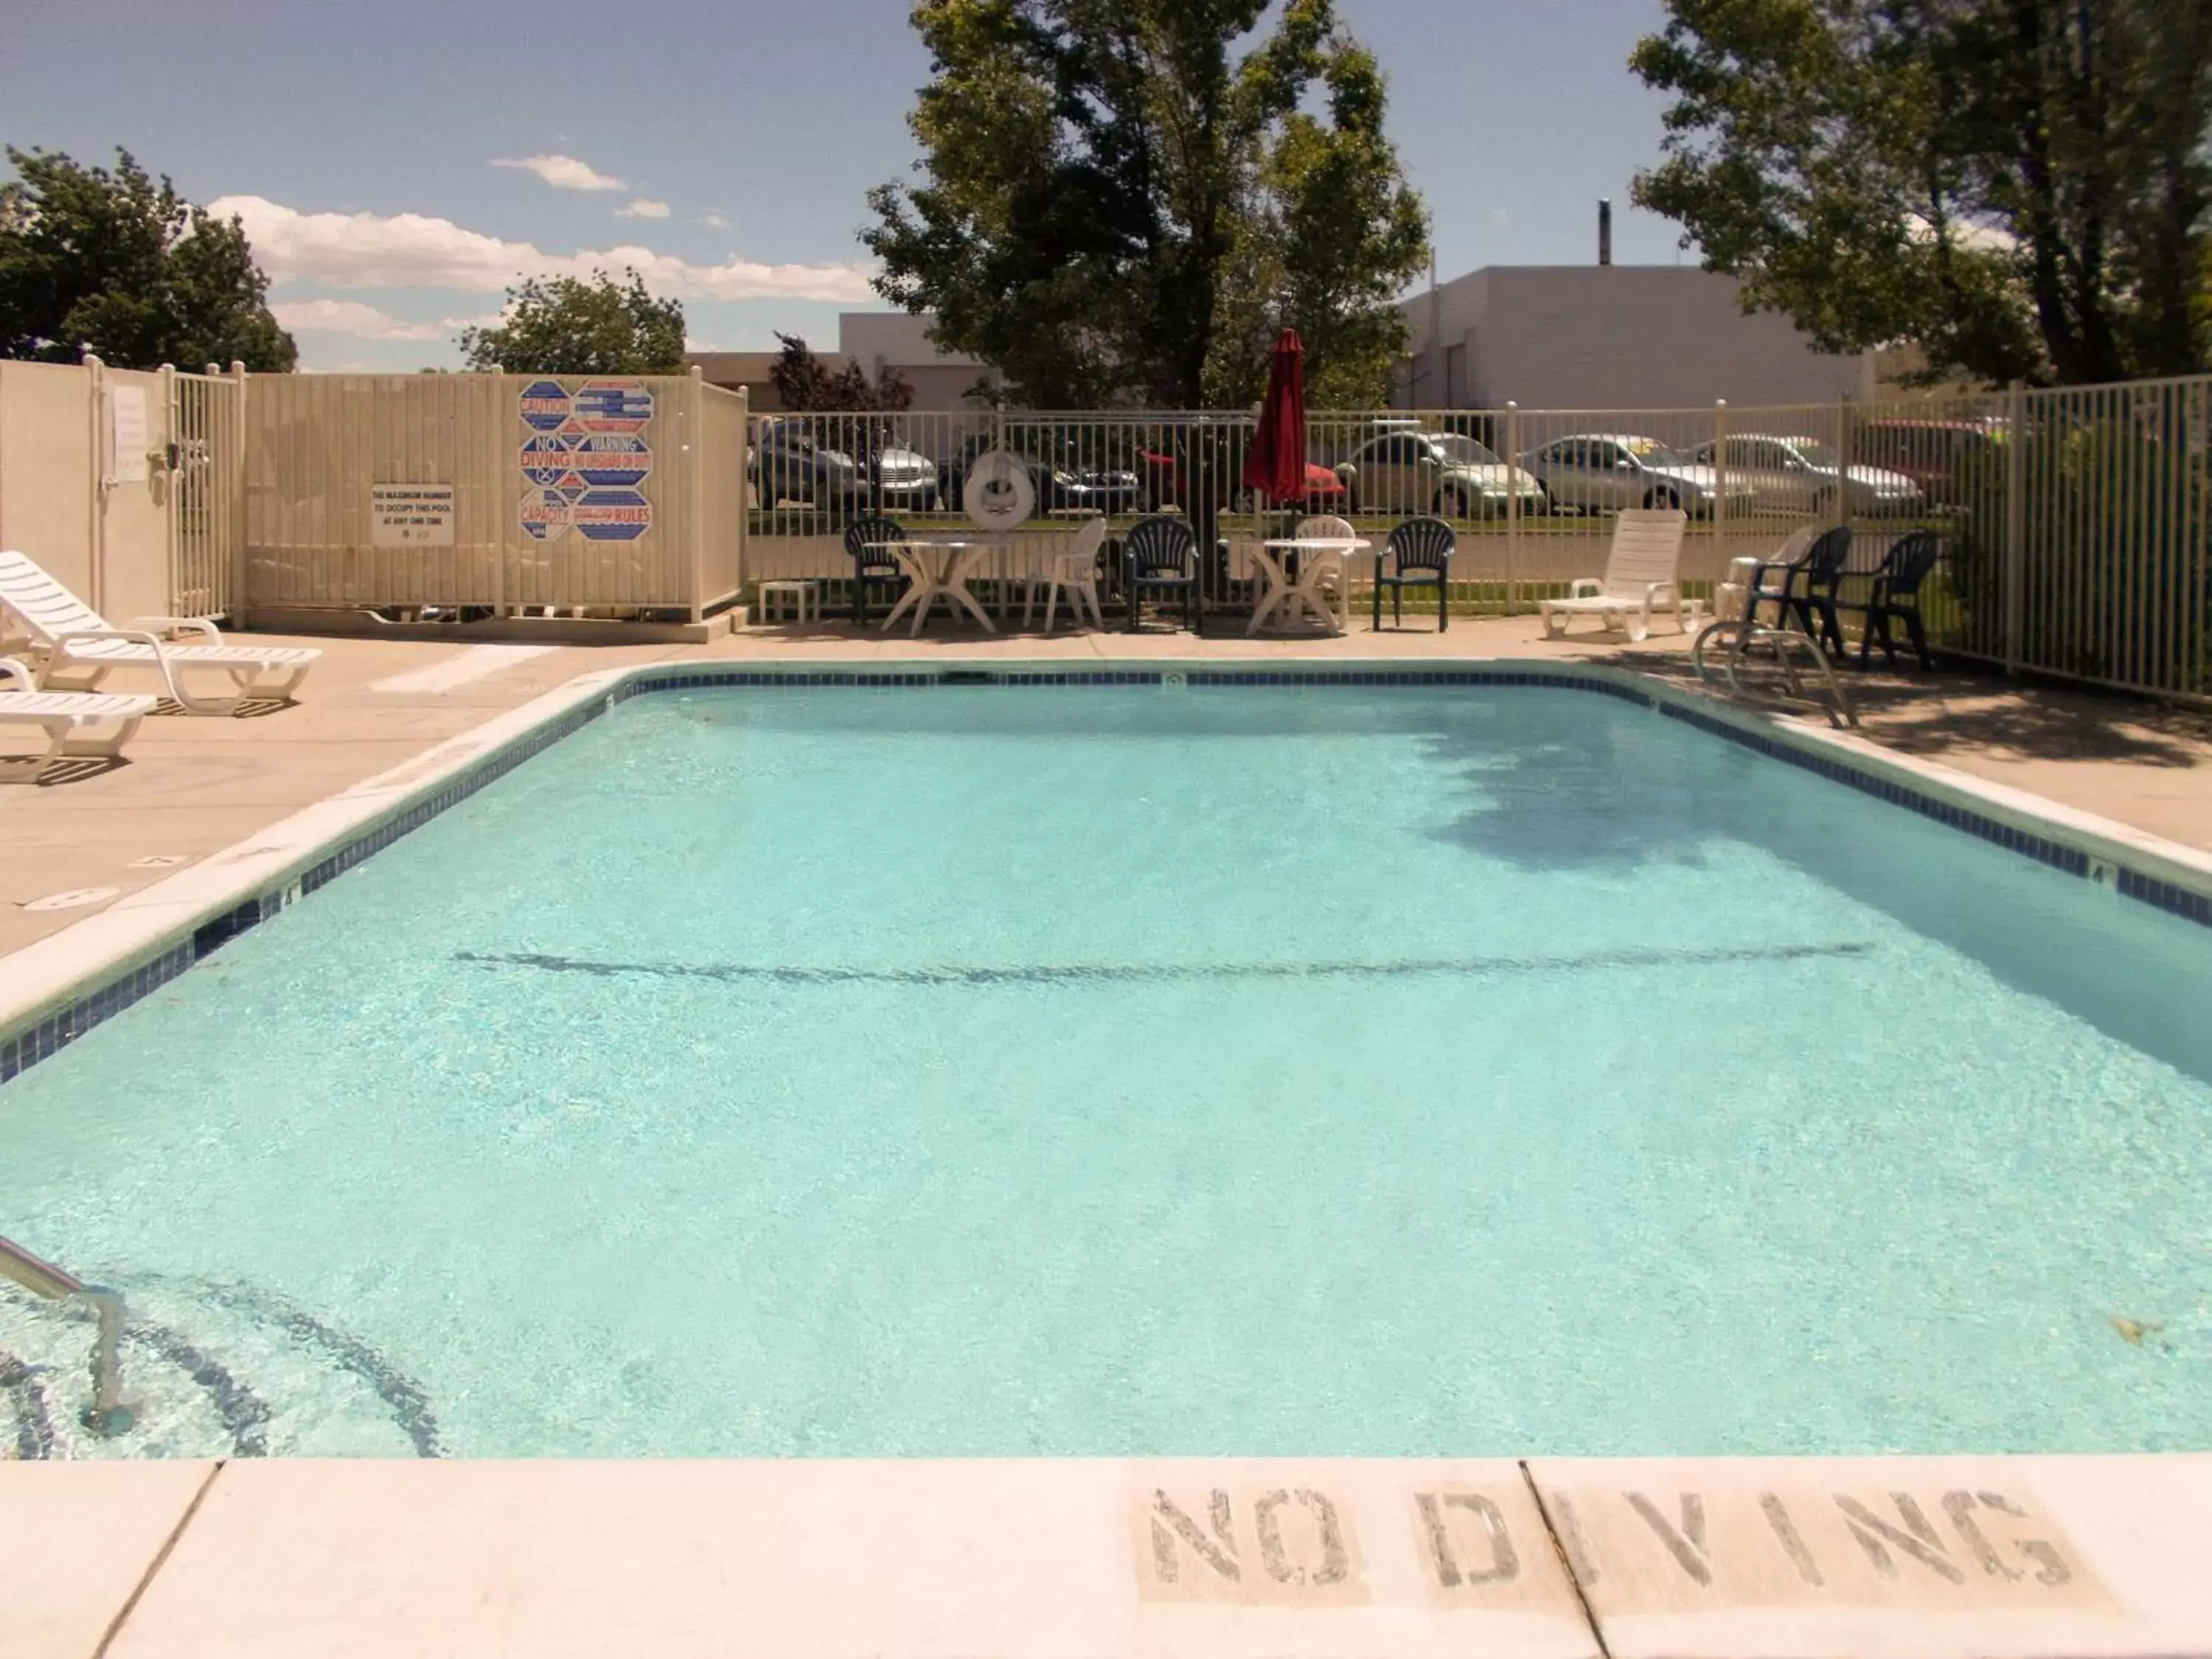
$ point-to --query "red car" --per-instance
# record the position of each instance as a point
(1163, 476)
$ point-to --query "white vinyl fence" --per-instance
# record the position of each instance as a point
(2074, 521)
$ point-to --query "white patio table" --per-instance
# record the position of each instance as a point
(1280, 593)
(936, 569)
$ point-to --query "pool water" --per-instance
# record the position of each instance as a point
(991, 1071)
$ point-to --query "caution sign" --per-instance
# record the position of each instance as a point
(584, 453)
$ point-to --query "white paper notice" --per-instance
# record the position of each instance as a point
(126, 423)
(410, 515)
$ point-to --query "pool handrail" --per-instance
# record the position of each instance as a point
(42, 1279)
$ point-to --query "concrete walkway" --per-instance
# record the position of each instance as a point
(196, 786)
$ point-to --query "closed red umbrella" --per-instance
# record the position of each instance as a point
(1275, 464)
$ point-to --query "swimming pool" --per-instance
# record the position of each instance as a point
(1146, 1070)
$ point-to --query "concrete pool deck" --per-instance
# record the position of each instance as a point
(1223, 1559)
(2044, 1556)
(194, 786)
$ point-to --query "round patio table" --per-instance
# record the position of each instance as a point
(936, 569)
(1281, 593)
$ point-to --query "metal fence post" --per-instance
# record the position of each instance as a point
(695, 443)
(744, 504)
(1720, 484)
(172, 603)
(1512, 507)
(233, 486)
(2015, 542)
(96, 518)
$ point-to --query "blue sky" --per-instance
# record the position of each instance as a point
(397, 162)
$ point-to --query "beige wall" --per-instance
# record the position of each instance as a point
(316, 444)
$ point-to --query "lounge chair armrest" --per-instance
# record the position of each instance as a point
(16, 668)
(1585, 587)
(180, 625)
(136, 636)
(1653, 589)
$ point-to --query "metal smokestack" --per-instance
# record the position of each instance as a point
(1604, 231)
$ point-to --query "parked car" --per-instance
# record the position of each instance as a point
(1066, 474)
(1951, 463)
(1438, 472)
(791, 464)
(1604, 472)
(1800, 475)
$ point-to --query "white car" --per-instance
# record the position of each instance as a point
(1606, 471)
(1799, 476)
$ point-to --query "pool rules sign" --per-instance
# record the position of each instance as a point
(584, 458)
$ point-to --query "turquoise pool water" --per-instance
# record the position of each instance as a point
(834, 1072)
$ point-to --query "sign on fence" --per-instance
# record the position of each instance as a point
(584, 460)
(410, 515)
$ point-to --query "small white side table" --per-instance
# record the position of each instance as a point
(805, 604)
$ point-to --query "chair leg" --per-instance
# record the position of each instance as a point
(1443, 606)
(1376, 625)
(1918, 632)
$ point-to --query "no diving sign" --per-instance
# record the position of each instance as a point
(584, 457)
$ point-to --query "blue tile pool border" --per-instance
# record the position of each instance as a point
(55, 1029)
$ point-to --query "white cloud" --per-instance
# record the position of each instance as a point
(350, 317)
(563, 172)
(641, 208)
(492, 319)
(716, 217)
(410, 250)
(1499, 218)
(691, 344)
(337, 369)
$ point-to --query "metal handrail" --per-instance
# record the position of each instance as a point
(42, 1279)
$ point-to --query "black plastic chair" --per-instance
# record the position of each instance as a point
(1160, 556)
(1896, 593)
(1420, 552)
(1807, 586)
(873, 567)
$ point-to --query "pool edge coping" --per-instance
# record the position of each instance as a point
(73, 980)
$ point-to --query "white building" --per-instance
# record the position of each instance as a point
(1608, 337)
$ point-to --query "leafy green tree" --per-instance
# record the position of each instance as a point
(120, 263)
(1112, 203)
(2020, 187)
(804, 381)
(566, 325)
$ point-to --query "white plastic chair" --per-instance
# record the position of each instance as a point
(1641, 576)
(76, 648)
(1074, 568)
(66, 716)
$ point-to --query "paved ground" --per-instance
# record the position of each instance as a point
(196, 785)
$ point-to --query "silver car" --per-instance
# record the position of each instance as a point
(1604, 472)
(1799, 476)
(1441, 472)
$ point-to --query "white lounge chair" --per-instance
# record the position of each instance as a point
(1640, 577)
(66, 717)
(76, 648)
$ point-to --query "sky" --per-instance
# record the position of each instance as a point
(398, 164)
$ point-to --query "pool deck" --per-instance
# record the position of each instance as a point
(1068, 1560)
(1740, 1558)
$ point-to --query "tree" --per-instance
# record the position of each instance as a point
(120, 264)
(566, 325)
(1111, 206)
(804, 381)
(2019, 188)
